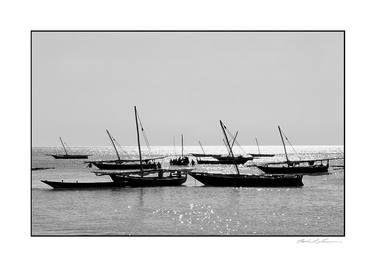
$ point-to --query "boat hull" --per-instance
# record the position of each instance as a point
(155, 182)
(78, 156)
(85, 185)
(294, 169)
(223, 180)
(113, 166)
(223, 161)
(258, 155)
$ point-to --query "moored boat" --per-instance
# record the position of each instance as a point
(258, 155)
(245, 180)
(145, 178)
(182, 160)
(311, 166)
(121, 164)
(83, 185)
(67, 155)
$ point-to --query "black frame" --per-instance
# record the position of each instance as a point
(84, 235)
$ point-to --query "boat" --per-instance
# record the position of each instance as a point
(83, 185)
(182, 160)
(295, 166)
(146, 178)
(67, 155)
(121, 164)
(245, 180)
(220, 158)
(257, 155)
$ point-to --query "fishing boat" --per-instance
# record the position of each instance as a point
(245, 180)
(295, 166)
(83, 185)
(145, 178)
(67, 155)
(257, 155)
(182, 160)
(220, 158)
(121, 164)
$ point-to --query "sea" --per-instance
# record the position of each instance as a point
(316, 209)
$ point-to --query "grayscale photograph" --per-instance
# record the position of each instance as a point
(187, 133)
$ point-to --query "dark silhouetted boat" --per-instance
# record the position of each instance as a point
(245, 180)
(220, 158)
(121, 164)
(146, 178)
(182, 160)
(295, 166)
(67, 155)
(257, 155)
(83, 185)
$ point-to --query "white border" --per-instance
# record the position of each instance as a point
(18, 18)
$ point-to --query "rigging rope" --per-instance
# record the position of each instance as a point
(144, 136)
(67, 147)
(296, 153)
(232, 137)
(120, 148)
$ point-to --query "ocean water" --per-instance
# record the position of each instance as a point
(317, 208)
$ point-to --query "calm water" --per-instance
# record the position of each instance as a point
(192, 209)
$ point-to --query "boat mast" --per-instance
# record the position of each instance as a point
(200, 144)
(114, 146)
(226, 146)
(63, 146)
(256, 140)
(234, 139)
(174, 146)
(139, 144)
(230, 149)
(182, 145)
(281, 135)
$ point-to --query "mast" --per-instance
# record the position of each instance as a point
(281, 135)
(234, 139)
(114, 146)
(182, 145)
(63, 146)
(201, 146)
(230, 149)
(226, 146)
(256, 140)
(139, 144)
(174, 146)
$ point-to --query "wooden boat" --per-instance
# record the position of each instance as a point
(83, 185)
(245, 180)
(121, 164)
(257, 155)
(68, 156)
(182, 160)
(145, 178)
(159, 177)
(295, 167)
(219, 158)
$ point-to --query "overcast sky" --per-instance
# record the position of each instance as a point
(84, 83)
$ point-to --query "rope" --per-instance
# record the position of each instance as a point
(144, 135)
(291, 145)
(232, 137)
(119, 146)
(67, 147)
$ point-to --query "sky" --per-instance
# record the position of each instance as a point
(185, 82)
